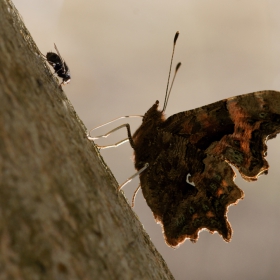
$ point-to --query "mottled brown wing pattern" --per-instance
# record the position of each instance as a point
(200, 143)
(257, 119)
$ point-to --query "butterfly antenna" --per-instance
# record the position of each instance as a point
(166, 94)
(176, 70)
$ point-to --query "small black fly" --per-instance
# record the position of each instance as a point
(59, 65)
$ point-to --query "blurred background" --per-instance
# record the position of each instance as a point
(119, 54)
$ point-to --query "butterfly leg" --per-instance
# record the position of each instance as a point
(118, 143)
(133, 176)
(134, 195)
(114, 145)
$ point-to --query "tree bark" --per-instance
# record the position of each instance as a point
(61, 216)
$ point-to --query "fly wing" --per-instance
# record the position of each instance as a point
(62, 60)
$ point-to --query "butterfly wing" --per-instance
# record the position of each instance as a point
(184, 209)
(200, 143)
(234, 129)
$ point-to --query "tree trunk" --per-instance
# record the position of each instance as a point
(61, 216)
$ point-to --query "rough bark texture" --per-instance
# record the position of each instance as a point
(60, 214)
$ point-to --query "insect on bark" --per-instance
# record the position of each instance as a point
(184, 161)
(59, 65)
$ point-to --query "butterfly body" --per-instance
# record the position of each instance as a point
(189, 183)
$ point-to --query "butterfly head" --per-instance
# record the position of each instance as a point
(154, 115)
(152, 119)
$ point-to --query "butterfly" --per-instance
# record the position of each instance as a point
(184, 161)
(59, 65)
(189, 183)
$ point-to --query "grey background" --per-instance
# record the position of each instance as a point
(119, 54)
